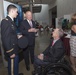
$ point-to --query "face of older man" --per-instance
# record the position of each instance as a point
(28, 15)
(55, 33)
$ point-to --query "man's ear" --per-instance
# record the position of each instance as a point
(12, 10)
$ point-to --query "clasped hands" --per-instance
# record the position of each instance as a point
(32, 30)
(41, 56)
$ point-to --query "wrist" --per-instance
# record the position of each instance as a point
(28, 30)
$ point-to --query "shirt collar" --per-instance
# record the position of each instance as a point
(55, 40)
(28, 20)
(11, 17)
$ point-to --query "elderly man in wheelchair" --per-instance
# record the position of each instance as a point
(51, 61)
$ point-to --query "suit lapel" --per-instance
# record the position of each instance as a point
(51, 42)
(55, 43)
(27, 24)
(32, 24)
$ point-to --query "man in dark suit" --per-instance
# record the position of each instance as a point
(9, 40)
(54, 52)
(28, 30)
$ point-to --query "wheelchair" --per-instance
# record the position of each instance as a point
(62, 67)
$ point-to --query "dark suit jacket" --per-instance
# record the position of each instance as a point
(55, 52)
(24, 27)
(9, 36)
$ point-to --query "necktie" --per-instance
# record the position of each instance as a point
(52, 43)
(30, 23)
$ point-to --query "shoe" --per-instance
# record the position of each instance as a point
(28, 68)
(21, 74)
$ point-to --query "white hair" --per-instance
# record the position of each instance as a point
(61, 32)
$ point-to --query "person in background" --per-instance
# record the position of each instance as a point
(73, 42)
(28, 29)
(9, 40)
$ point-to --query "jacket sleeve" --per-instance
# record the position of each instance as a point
(46, 50)
(56, 55)
(23, 30)
(48, 58)
(59, 52)
(6, 37)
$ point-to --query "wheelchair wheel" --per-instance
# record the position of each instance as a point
(57, 69)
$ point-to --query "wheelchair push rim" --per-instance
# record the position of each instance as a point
(57, 69)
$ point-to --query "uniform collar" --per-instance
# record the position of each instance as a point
(11, 17)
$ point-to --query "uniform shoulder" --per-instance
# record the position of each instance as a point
(5, 19)
(4, 22)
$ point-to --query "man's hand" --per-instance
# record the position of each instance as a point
(41, 56)
(12, 56)
(32, 30)
(36, 30)
(19, 36)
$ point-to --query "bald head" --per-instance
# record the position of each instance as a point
(28, 15)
